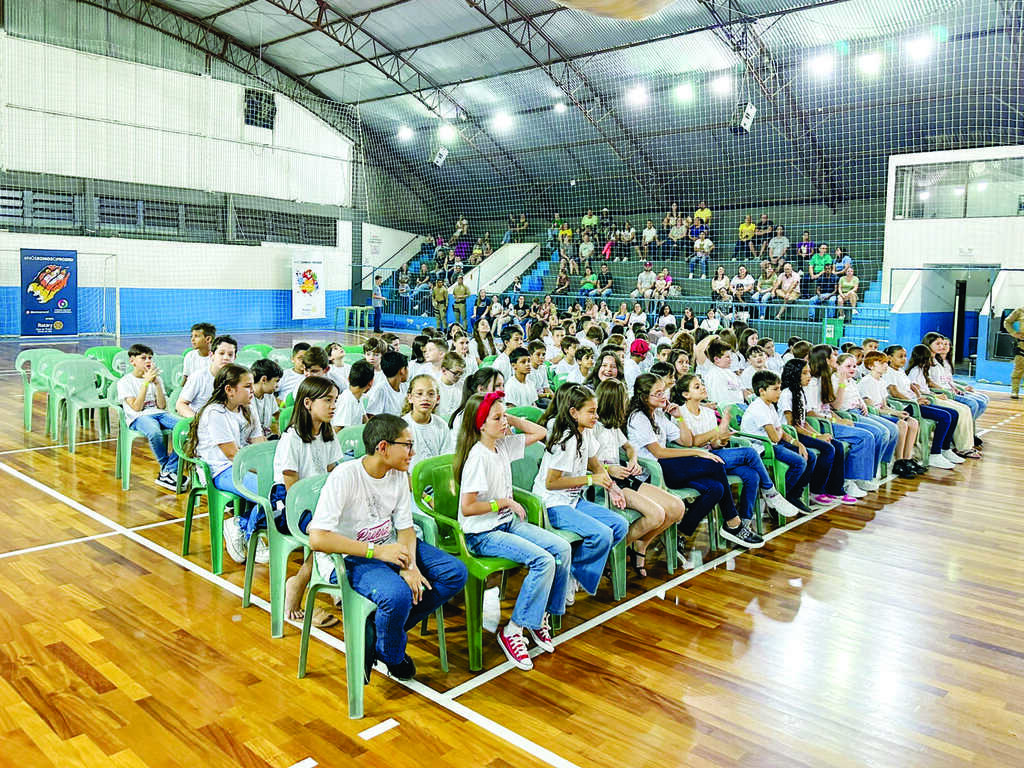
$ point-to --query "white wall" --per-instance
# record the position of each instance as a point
(383, 245)
(76, 114)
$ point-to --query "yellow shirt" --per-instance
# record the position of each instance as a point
(704, 214)
(747, 231)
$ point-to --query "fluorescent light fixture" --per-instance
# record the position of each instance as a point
(958, 191)
(870, 63)
(722, 85)
(405, 133)
(502, 121)
(920, 48)
(446, 133)
(923, 195)
(684, 92)
(981, 186)
(560, 107)
(822, 64)
(637, 95)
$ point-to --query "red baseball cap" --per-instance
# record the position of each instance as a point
(639, 347)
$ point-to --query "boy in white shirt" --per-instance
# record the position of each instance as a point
(757, 361)
(291, 378)
(141, 393)
(722, 383)
(554, 344)
(388, 396)
(365, 513)
(539, 371)
(519, 390)
(348, 410)
(773, 360)
(199, 387)
(338, 372)
(567, 364)
(584, 364)
(198, 357)
(265, 376)
(762, 418)
(513, 338)
(453, 372)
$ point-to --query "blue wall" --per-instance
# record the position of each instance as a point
(907, 329)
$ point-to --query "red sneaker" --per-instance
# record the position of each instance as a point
(514, 647)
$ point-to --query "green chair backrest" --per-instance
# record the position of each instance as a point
(282, 357)
(524, 470)
(405, 349)
(81, 378)
(351, 439)
(528, 412)
(249, 356)
(559, 381)
(734, 412)
(178, 437)
(284, 417)
(488, 360)
(120, 365)
(302, 496)
(30, 358)
(356, 349)
(258, 458)
(104, 354)
(438, 473)
(263, 349)
(172, 367)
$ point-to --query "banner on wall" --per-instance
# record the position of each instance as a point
(49, 292)
(309, 297)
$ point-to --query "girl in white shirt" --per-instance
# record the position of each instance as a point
(429, 432)
(307, 449)
(223, 426)
(941, 373)
(963, 431)
(570, 465)
(848, 398)
(658, 508)
(495, 525)
(898, 385)
(637, 316)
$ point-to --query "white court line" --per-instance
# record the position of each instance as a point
(309, 762)
(56, 445)
(378, 729)
(621, 608)
(441, 699)
(93, 537)
(1007, 420)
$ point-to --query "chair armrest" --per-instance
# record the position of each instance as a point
(535, 512)
(427, 525)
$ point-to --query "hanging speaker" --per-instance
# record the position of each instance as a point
(440, 157)
(742, 117)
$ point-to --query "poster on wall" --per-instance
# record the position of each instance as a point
(49, 292)
(308, 293)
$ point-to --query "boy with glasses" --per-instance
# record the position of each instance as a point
(453, 368)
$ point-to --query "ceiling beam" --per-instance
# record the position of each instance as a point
(361, 16)
(216, 14)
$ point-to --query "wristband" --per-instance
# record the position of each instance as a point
(494, 506)
(369, 551)
(590, 479)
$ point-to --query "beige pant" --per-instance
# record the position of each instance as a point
(1018, 373)
(963, 435)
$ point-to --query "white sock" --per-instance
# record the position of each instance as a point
(770, 493)
(513, 629)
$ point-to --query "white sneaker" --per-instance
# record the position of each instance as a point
(570, 591)
(952, 458)
(851, 489)
(262, 551)
(867, 485)
(938, 461)
(780, 504)
(703, 277)
(234, 540)
(856, 312)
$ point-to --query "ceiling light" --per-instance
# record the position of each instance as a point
(923, 195)
(981, 186)
(559, 107)
(637, 95)
(502, 121)
(722, 85)
(405, 133)
(870, 63)
(684, 92)
(920, 48)
(446, 133)
(822, 65)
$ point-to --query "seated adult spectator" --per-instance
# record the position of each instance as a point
(807, 247)
(787, 288)
(762, 234)
(567, 255)
(847, 292)
(588, 283)
(677, 235)
(841, 261)
(742, 286)
(480, 307)
(562, 284)
(628, 242)
(565, 230)
(711, 323)
(764, 290)
(605, 282)
(589, 221)
(477, 254)
(826, 288)
(644, 283)
(547, 311)
(673, 212)
(650, 240)
(818, 261)
(586, 248)
(421, 291)
(689, 320)
(702, 248)
(510, 230)
(746, 239)
(704, 214)
(605, 223)
(778, 247)
(665, 317)
(521, 226)
(488, 249)
(720, 284)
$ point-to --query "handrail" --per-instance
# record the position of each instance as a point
(384, 264)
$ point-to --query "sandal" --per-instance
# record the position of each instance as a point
(638, 561)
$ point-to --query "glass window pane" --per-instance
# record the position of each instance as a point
(996, 187)
(938, 191)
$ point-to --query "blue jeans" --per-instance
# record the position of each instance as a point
(974, 401)
(830, 303)
(829, 466)
(705, 476)
(225, 482)
(762, 299)
(152, 427)
(601, 529)
(377, 314)
(799, 470)
(702, 259)
(885, 433)
(381, 583)
(745, 462)
(547, 557)
(860, 459)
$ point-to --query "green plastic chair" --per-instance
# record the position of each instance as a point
(351, 440)
(685, 495)
(125, 438)
(528, 412)
(355, 609)
(405, 349)
(259, 458)
(34, 376)
(437, 472)
(104, 355)
(202, 486)
(559, 381)
(263, 349)
(119, 364)
(54, 401)
(923, 449)
(281, 356)
(79, 386)
(249, 356)
(171, 370)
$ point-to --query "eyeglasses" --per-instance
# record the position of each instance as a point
(456, 373)
(399, 442)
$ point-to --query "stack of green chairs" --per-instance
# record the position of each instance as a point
(357, 349)
(262, 349)
(248, 356)
(355, 608)
(80, 385)
(104, 355)
(282, 356)
(35, 377)
(119, 365)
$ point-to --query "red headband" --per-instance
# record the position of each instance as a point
(485, 407)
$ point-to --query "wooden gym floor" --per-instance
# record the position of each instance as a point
(886, 634)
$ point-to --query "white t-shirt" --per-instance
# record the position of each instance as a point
(747, 377)
(630, 372)
(609, 441)
(519, 393)
(217, 426)
(304, 459)
(289, 383)
(650, 233)
(383, 399)
(348, 411)
(563, 367)
(723, 385)
(746, 283)
(698, 423)
(575, 376)
(451, 396)
(916, 376)
(847, 396)
(364, 508)
(641, 434)
(428, 440)
(703, 246)
(636, 317)
(198, 389)
(873, 389)
(571, 463)
(539, 377)
(193, 363)
(897, 377)
(339, 375)
(128, 388)
(785, 405)
(758, 415)
(266, 408)
(489, 475)
(501, 363)
(812, 398)
(774, 364)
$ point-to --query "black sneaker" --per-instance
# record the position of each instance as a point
(403, 670)
(370, 649)
(742, 535)
(917, 466)
(799, 504)
(167, 480)
(978, 442)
